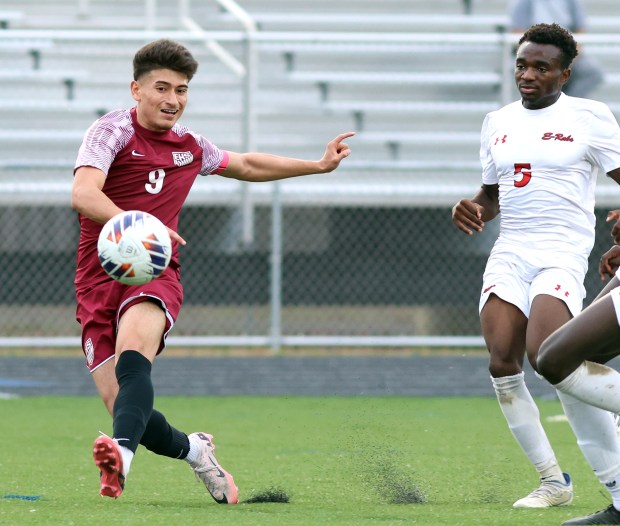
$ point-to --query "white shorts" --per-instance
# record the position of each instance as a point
(517, 277)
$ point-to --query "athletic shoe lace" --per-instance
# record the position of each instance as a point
(547, 488)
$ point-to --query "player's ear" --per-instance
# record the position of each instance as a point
(565, 75)
(135, 90)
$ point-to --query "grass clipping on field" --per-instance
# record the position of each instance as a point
(392, 481)
(269, 495)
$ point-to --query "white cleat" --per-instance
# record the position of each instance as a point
(219, 483)
(549, 493)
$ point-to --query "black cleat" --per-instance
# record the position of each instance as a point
(609, 515)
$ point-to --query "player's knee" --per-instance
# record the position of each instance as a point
(546, 361)
(499, 367)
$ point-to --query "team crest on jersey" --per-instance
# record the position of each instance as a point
(182, 158)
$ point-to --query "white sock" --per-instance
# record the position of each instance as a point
(597, 438)
(613, 486)
(596, 435)
(594, 384)
(195, 448)
(127, 455)
(523, 419)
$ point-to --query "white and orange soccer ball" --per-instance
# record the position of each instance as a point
(134, 247)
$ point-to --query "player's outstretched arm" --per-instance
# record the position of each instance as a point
(262, 167)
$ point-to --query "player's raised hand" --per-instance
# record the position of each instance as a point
(614, 215)
(335, 152)
(467, 216)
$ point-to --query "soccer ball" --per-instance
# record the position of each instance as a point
(134, 247)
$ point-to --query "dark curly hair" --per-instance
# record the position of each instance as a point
(164, 54)
(554, 35)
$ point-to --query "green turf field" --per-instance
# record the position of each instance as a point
(341, 461)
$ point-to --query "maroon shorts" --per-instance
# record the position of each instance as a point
(99, 309)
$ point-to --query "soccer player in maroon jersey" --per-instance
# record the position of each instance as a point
(142, 159)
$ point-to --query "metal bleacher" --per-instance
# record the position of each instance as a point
(413, 78)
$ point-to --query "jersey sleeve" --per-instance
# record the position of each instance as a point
(214, 160)
(103, 140)
(489, 172)
(604, 150)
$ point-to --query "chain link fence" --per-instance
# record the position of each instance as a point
(369, 272)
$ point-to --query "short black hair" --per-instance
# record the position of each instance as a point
(164, 54)
(554, 35)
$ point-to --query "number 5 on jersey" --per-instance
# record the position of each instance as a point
(523, 169)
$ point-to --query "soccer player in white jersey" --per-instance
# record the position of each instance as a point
(143, 159)
(540, 157)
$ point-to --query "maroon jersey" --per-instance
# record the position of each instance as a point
(146, 170)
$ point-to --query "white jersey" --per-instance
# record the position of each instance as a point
(546, 162)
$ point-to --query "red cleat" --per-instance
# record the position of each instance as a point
(108, 459)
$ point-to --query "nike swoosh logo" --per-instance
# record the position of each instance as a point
(220, 473)
(134, 152)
